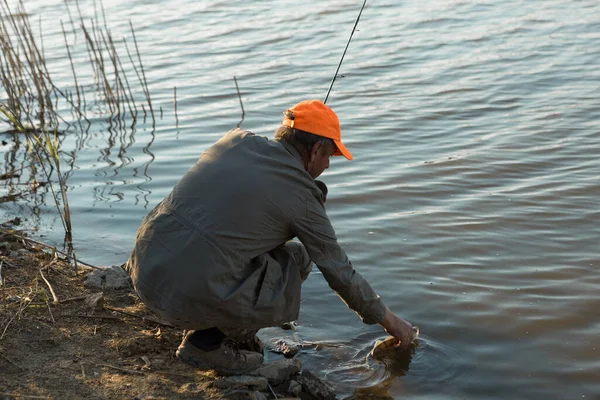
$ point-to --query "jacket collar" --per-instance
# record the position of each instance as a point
(293, 151)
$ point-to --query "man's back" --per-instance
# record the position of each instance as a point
(209, 238)
(245, 191)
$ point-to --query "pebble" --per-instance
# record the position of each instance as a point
(19, 254)
(95, 301)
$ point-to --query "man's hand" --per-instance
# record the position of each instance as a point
(400, 329)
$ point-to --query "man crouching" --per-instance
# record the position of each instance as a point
(215, 256)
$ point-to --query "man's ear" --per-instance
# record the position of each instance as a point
(315, 150)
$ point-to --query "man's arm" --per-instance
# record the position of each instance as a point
(314, 230)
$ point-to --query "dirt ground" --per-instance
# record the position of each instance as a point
(67, 349)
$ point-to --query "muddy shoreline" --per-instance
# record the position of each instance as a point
(61, 338)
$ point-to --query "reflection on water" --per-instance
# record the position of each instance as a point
(22, 175)
(111, 107)
(116, 159)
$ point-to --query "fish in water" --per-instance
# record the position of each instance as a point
(387, 347)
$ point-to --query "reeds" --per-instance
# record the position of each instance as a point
(36, 107)
(30, 89)
(237, 88)
(45, 149)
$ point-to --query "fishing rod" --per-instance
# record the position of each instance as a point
(346, 49)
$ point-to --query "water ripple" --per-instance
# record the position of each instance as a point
(471, 205)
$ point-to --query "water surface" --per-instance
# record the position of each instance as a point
(472, 204)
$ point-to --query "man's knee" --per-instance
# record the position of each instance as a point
(301, 258)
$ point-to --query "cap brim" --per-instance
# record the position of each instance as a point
(342, 150)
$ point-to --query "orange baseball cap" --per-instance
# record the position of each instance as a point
(313, 116)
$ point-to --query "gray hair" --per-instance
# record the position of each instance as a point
(301, 140)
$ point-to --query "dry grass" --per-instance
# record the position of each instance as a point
(53, 346)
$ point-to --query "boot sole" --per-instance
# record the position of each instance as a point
(184, 356)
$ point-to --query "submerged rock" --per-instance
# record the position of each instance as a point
(315, 386)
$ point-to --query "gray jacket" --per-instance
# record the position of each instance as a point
(202, 244)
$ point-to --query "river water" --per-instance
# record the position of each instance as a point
(472, 205)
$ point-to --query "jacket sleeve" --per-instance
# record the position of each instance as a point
(314, 230)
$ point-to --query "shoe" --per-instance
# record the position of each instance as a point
(289, 326)
(253, 344)
(227, 359)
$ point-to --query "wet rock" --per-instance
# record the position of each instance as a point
(287, 348)
(315, 386)
(114, 277)
(289, 388)
(257, 396)
(278, 371)
(294, 387)
(233, 382)
(95, 301)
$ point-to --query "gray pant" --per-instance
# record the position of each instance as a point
(291, 252)
(289, 255)
(295, 253)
